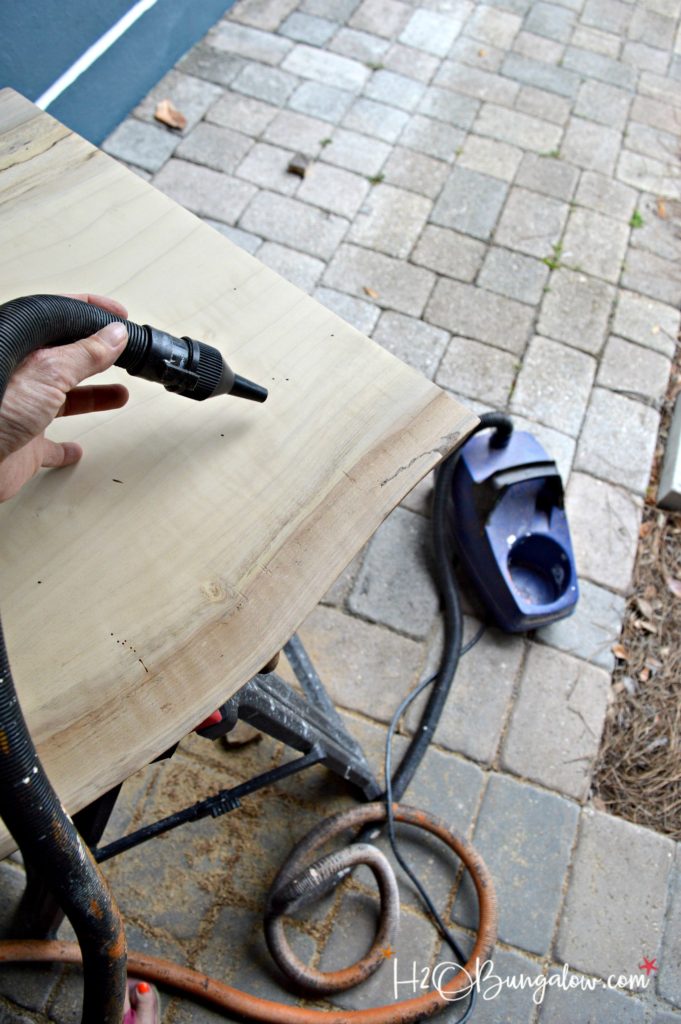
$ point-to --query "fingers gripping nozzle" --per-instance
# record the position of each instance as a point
(185, 366)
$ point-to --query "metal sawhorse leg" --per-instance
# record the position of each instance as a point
(310, 725)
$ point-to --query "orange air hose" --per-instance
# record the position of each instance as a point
(222, 996)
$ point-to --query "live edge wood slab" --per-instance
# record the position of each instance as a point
(145, 585)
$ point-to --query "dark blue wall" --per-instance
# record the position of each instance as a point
(40, 39)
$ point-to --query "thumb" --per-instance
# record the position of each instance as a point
(56, 455)
(82, 359)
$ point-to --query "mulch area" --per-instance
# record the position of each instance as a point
(638, 772)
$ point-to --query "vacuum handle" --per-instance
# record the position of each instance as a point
(505, 478)
(490, 491)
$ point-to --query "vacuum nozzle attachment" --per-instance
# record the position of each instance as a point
(187, 367)
(244, 388)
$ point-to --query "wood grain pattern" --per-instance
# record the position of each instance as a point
(142, 587)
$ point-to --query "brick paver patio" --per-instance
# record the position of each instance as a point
(495, 197)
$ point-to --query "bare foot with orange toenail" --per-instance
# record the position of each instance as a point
(141, 1004)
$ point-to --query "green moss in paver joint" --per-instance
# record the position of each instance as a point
(376, 179)
(325, 142)
(552, 154)
(375, 65)
(554, 261)
(636, 220)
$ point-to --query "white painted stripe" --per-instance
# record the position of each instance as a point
(94, 52)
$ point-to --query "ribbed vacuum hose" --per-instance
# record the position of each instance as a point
(28, 804)
(294, 888)
(38, 321)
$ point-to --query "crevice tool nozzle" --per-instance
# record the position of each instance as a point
(244, 388)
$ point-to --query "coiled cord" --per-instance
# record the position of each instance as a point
(319, 877)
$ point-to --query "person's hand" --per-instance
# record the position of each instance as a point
(44, 386)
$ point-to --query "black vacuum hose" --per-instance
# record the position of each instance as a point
(451, 605)
(39, 321)
(48, 840)
(29, 805)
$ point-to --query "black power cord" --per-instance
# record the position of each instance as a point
(390, 822)
(443, 520)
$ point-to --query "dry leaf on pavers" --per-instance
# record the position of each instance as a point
(371, 292)
(299, 165)
(620, 651)
(169, 115)
(674, 586)
(661, 209)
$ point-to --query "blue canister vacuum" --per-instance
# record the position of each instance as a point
(510, 528)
